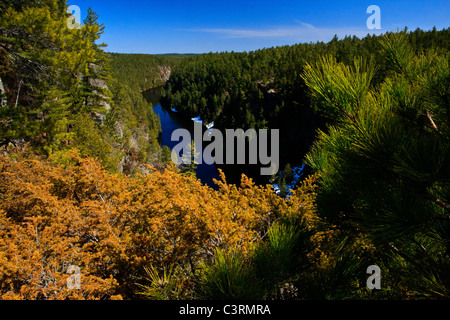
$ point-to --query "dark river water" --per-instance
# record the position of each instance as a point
(171, 121)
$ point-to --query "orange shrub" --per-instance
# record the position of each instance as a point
(111, 226)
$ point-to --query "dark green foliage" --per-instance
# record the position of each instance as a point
(165, 285)
(60, 93)
(264, 89)
(334, 283)
(166, 155)
(135, 127)
(283, 256)
(89, 141)
(260, 274)
(230, 276)
(384, 160)
(142, 71)
(383, 191)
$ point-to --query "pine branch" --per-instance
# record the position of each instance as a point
(406, 257)
(429, 116)
(425, 251)
(438, 201)
(344, 112)
(22, 61)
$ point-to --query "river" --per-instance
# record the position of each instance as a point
(171, 121)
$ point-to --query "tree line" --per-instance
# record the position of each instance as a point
(264, 88)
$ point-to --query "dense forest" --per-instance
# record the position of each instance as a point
(58, 91)
(264, 89)
(143, 71)
(84, 184)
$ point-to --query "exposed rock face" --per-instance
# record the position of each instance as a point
(165, 72)
(3, 100)
(160, 75)
(101, 84)
(98, 83)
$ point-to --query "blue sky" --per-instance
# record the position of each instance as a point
(182, 26)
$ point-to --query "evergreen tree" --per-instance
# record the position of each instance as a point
(384, 159)
(189, 162)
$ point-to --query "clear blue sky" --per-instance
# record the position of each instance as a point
(193, 26)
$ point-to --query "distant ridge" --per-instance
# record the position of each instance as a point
(160, 54)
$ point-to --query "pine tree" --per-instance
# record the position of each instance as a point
(189, 160)
(384, 159)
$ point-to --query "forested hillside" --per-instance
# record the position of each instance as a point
(84, 188)
(58, 92)
(264, 89)
(143, 71)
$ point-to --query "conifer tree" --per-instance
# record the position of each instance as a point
(384, 158)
